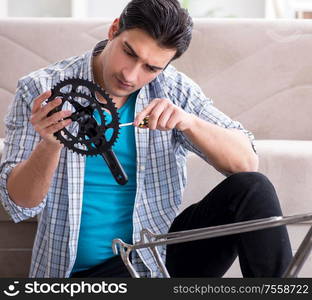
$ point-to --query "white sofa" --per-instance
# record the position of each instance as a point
(256, 71)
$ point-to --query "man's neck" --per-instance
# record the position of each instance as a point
(98, 78)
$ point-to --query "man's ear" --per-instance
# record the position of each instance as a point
(113, 29)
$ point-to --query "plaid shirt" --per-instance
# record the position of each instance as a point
(161, 167)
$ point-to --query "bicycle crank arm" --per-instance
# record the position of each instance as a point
(115, 167)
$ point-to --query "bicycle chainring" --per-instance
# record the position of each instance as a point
(86, 134)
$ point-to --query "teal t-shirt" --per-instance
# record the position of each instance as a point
(107, 207)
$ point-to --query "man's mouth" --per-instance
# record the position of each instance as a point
(124, 84)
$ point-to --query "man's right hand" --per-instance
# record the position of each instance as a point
(47, 126)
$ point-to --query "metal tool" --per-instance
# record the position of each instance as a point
(151, 240)
(143, 124)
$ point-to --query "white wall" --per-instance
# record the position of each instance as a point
(39, 8)
(3, 8)
(235, 8)
(62, 8)
(113, 8)
(228, 8)
(106, 8)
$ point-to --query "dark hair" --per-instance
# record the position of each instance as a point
(164, 20)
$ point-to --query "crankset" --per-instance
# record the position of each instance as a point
(90, 133)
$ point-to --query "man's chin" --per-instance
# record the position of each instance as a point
(121, 94)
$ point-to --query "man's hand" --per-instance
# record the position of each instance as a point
(228, 150)
(164, 115)
(47, 126)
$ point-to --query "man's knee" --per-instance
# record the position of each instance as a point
(259, 190)
(247, 180)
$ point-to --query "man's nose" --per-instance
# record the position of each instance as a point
(131, 73)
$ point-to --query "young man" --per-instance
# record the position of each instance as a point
(82, 208)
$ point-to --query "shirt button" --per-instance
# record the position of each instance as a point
(142, 168)
(142, 130)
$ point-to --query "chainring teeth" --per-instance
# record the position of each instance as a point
(66, 137)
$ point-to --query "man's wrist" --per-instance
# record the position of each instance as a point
(54, 147)
(189, 123)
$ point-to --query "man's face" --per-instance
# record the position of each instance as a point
(131, 60)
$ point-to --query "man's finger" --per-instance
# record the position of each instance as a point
(55, 118)
(163, 119)
(38, 101)
(145, 112)
(56, 127)
(51, 105)
(43, 111)
(154, 116)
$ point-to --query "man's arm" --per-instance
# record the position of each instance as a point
(228, 150)
(29, 181)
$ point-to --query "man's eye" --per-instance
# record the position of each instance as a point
(151, 69)
(128, 53)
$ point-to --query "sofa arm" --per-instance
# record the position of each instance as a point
(287, 163)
